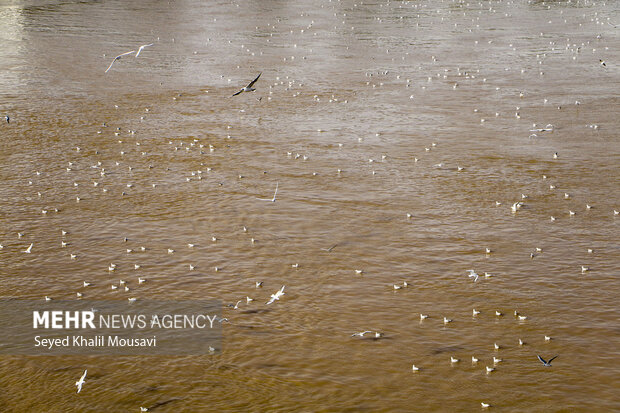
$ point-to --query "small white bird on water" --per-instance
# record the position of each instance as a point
(29, 249)
(277, 295)
(80, 382)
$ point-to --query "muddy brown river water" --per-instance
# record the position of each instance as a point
(401, 132)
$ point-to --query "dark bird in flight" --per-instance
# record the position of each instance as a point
(249, 87)
(546, 363)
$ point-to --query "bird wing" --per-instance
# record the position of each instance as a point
(109, 67)
(254, 81)
(142, 47)
(116, 58)
(274, 195)
(330, 248)
(542, 360)
(238, 92)
(551, 359)
(124, 54)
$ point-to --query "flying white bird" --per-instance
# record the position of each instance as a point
(274, 196)
(472, 274)
(277, 295)
(29, 249)
(249, 87)
(80, 382)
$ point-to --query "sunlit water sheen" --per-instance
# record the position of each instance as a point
(350, 89)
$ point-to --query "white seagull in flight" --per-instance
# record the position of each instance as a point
(274, 196)
(472, 274)
(80, 382)
(277, 295)
(29, 249)
(249, 87)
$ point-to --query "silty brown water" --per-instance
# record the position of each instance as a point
(351, 94)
